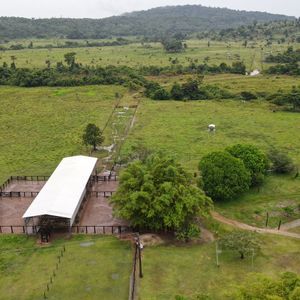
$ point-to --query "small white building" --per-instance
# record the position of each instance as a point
(65, 190)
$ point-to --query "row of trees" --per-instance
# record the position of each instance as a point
(193, 89)
(69, 74)
(194, 68)
(69, 44)
(155, 22)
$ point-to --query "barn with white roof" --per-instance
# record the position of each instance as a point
(62, 195)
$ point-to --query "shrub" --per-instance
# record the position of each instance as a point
(254, 160)
(281, 163)
(247, 96)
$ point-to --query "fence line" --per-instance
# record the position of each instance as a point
(106, 194)
(77, 229)
(97, 178)
(132, 282)
(22, 178)
(28, 194)
(18, 194)
(94, 178)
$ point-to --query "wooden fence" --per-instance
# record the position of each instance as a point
(18, 194)
(97, 194)
(97, 178)
(91, 229)
(22, 178)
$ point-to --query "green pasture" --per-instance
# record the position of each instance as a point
(91, 268)
(192, 270)
(138, 54)
(40, 126)
(260, 85)
(180, 129)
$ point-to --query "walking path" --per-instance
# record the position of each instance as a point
(237, 224)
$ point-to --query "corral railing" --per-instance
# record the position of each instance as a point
(29, 194)
(90, 229)
(97, 178)
(98, 194)
(22, 178)
(18, 194)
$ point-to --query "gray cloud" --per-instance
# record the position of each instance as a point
(105, 8)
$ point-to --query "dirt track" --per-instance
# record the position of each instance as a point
(239, 225)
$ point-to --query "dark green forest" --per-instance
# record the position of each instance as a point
(152, 23)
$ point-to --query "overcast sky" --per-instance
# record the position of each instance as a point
(105, 8)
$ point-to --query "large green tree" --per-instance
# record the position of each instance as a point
(224, 176)
(254, 160)
(159, 194)
(92, 136)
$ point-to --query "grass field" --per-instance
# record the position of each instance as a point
(40, 126)
(91, 268)
(192, 270)
(180, 129)
(136, 55)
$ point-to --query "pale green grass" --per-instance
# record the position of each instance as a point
(237, 83)
(91, 268)
(40, 126)
(180, 129)
(136, 55)
(192, 270)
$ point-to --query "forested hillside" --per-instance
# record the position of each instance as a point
(152, 23)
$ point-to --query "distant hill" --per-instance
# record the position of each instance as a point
(155, 22)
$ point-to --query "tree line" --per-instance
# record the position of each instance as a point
(157, 22)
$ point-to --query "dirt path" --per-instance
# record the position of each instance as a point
(290, 225)
(239, 225)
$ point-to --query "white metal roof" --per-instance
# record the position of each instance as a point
(63, 192)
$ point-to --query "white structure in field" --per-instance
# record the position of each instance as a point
(63, 193)
(212, 128)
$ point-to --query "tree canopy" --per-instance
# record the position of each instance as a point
(224, 176)
(159, 194)
(254, 160)
(155, 22)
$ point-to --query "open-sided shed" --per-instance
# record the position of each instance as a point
(63, 193)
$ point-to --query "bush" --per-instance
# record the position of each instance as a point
(177, 92)
(224, 176)
(281, 162)
(247, 96)
(160, 94)
(254, 160)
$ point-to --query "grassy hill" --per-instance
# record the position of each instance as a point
(154, 22)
